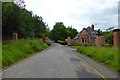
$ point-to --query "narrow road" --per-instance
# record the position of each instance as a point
(55, 62)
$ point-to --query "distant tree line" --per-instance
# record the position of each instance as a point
(60, 32)
(15, 18)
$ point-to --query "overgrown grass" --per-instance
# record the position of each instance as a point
(105, 55)
(14, 51)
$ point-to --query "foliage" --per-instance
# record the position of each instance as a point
(62, 42)
(108, 34)
(109, 37)
(16, 18)
(71, 31)
(105, 55)
(60, 32)
(14, 51)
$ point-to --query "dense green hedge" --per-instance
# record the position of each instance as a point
(14, 51)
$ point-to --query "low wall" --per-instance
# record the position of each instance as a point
(100, 41)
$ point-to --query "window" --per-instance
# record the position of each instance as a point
(82, 40)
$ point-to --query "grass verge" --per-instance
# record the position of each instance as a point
(105, 55)
(17, 50)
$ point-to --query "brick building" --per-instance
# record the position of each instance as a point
(88, 36)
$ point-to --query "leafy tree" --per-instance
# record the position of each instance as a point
(108, 36)
(71, 32)
(60, 32)
(17, 19)
(10, 18)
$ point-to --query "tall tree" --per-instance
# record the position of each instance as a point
(10, 18)
(71, 31)
(108, 34)
(17, 19)
(60, 32)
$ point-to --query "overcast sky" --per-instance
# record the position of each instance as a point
(77, 13)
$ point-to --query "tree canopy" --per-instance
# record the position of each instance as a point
(15, 18)
(108, 34)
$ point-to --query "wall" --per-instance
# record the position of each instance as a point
(116, 37)
(99, 41)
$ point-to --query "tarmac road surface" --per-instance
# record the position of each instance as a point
(55, 62)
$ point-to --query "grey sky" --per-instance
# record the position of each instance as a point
(76, 13)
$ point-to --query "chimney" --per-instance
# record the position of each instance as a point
(92, 28)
